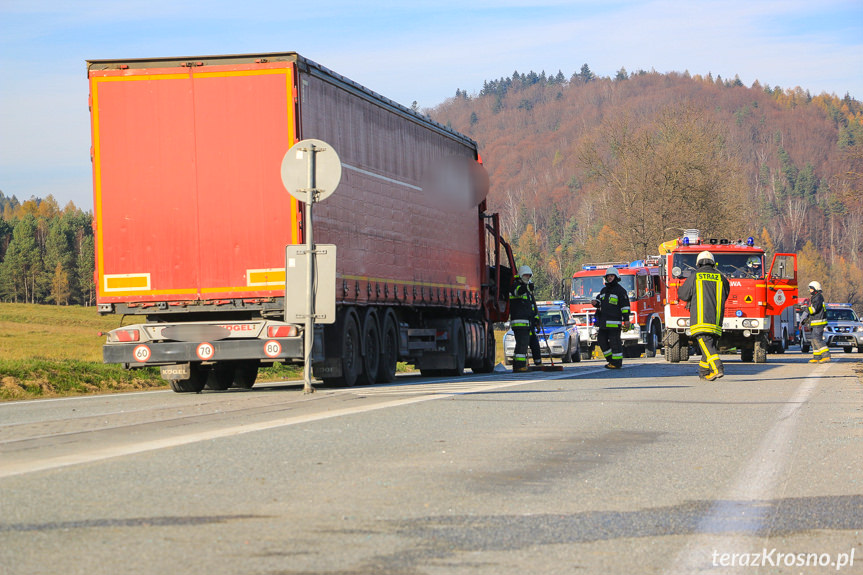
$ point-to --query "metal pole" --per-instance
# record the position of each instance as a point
(310, 287)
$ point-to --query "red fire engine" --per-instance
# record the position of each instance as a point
(755, 301)
(644, 284)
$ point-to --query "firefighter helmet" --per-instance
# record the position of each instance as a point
(525, 271)
(612, 272)
(815, 285)
(705, 258)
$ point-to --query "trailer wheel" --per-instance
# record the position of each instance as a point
(486, 363)
(350, 357)
(195, 383)
(371, 348)
(219, 377)
(389, 349)
(460, 351)
(245, 374)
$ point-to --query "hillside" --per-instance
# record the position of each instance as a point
(591, 169)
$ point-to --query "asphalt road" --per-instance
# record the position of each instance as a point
(643, 470)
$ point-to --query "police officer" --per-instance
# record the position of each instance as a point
(706, 292)
(612, 313)
(523, 315)
(816, 315)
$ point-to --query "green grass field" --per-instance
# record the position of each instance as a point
(54, 351)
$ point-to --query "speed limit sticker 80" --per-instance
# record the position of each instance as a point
(272, 348)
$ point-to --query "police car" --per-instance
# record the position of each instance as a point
(560, 338)
(844, 329)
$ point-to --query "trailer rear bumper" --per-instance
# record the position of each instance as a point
(164, 353)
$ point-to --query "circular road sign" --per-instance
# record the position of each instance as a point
(295, 169)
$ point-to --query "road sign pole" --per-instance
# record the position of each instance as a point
(310, 275)
(301, 179)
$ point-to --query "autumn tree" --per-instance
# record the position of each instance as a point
(660, 176)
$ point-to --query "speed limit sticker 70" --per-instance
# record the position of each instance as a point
(205, 351)
(141, 353)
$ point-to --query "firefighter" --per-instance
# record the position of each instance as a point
(816, 315)
(706, 292)
(524, 316)
(612, 313)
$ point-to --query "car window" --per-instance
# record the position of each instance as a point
(841, 315)
(552, 318)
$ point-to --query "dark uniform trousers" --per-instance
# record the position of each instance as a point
(521, 330)
(819, 348)
(608, 339)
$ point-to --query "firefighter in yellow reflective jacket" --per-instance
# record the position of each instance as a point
(706, 290)
(523, 315)
(816, 315)
(612, 314)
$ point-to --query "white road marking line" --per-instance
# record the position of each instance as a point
(756, 482)
(9, 470)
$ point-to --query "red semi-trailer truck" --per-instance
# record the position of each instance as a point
(192, 222)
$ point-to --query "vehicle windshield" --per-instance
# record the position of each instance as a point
(747, 266)
(587, 288)
(841, 315)
(552, 318)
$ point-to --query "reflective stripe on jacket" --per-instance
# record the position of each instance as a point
(522, 304)
(817, 310)
(706, 290)
(613, 307)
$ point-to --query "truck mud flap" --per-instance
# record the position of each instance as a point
(157, 353)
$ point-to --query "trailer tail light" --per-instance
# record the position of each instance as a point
(281, 331)
(124, 335)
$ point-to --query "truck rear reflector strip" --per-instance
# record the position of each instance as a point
(126, 282)
(265, 277)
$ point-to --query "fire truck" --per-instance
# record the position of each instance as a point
(756, 299)
(643, 282)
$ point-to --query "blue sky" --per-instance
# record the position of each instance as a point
(410, 50)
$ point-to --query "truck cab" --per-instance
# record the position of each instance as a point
(643, 283)
(758, 293)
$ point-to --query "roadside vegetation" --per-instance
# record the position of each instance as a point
(55, 351)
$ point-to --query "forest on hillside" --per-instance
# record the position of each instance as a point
(593, 169)
(599, 169)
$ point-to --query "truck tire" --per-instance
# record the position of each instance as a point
(804, 348)
(747, 354)
(371, 348)
(486, 363)
(389, 349)
(459, 351)
(350, 353)
(652, 345)
(675, 350)
(194, 384)
(219, 377)
(760, 351)
(245, 374)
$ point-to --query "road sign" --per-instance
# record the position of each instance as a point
(324, 172)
